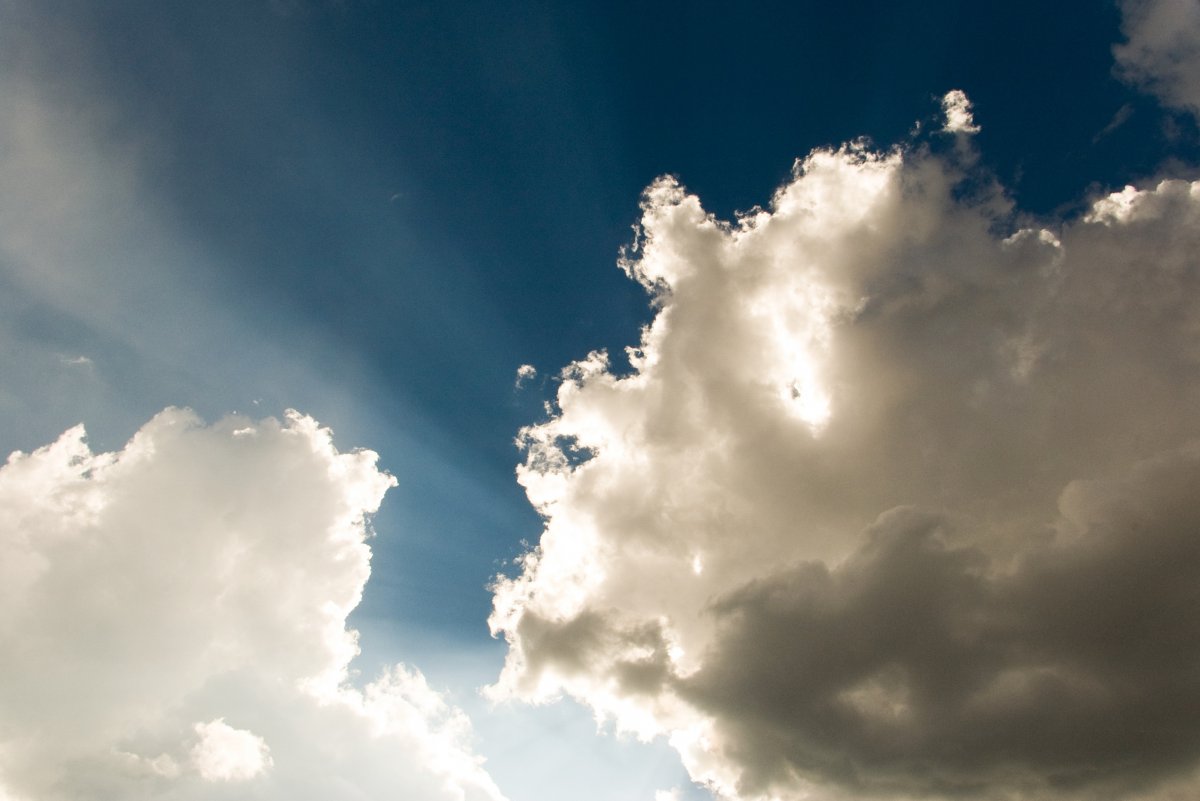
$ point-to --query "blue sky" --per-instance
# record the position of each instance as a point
(375, 212)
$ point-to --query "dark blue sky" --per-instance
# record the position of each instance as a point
(438, 191)
(435, 193)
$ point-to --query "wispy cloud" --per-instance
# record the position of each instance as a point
(1121, 117)
(1162, 53)
(525, 373)
(76, 361)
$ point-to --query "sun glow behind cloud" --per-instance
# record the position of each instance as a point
(908, 443)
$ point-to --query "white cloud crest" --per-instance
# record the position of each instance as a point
(173, 617)
(888, 495)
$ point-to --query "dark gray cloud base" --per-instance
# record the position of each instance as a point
(919, 666)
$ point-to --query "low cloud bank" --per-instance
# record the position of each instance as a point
(897, 498)
(173, 619)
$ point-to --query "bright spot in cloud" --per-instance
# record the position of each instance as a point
(226, 754)
(810, 402)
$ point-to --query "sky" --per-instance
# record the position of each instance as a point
(678, 402)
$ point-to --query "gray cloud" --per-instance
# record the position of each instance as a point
(894, 500)
(917, 666)
(1163, 49)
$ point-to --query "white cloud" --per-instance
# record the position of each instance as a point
(1163, 49)
(226, 754)
(957, 108)
(173, 619)
(526, 372)
(971, 572)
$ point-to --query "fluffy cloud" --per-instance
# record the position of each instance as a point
(897, 497)
(957, 108)
(1163, 51)
(173, 620)
(224, 753)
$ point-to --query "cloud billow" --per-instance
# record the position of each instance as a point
(173, 620)
(897, 499)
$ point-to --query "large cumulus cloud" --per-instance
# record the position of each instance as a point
(173, 625)
(896, 498)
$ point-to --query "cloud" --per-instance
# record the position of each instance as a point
(526, 372)
(1162, 53)
(957, 108)
(897, 499)
(173, 619)
(224, 753)
(1122, 116)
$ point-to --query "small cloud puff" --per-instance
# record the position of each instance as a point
(957, 108)
(526, 372)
